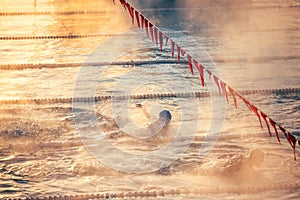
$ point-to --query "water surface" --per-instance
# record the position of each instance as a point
(41, 151)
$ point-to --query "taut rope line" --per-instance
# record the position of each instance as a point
(81, 36)
(69, 100)
(174, 192)
(141, 62)
(100, 12)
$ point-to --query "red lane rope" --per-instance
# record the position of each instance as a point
(138, 17)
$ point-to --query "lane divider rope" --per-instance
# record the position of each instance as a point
(87, 64)
(260, 59)
(80, 36)
(76, 12)
(93, 12)
(261, 7)
(251, 189)
(69, 100)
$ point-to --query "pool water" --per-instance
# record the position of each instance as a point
(55, 150)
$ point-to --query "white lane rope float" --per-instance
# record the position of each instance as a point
(161, 39)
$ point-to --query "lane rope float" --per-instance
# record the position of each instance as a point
(93, 12)
(24, 66)
(253, 189)
(69, 100)
(261, 7)
(80, 36)
(76, 12)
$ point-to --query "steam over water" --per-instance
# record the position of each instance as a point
(254, 45)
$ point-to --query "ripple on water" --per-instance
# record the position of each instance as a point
(41, 152)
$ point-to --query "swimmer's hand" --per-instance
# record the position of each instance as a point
(139, 105)
(144, 110)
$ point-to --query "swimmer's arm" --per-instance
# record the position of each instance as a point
(234, 169)
(144, 111)
(231, 170)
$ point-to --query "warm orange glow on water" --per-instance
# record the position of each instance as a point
(42, 151)
(112, 20)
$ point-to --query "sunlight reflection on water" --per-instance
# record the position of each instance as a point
(40, 150)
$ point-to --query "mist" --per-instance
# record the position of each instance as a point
(250, 31)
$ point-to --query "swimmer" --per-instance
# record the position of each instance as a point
(243, 170)
(164, 118)
(159, 125)
(163, 121)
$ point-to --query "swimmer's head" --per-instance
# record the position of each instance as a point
(165, 116)
(256, 157)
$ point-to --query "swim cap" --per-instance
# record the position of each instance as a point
(256, 157)
(165, 115)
